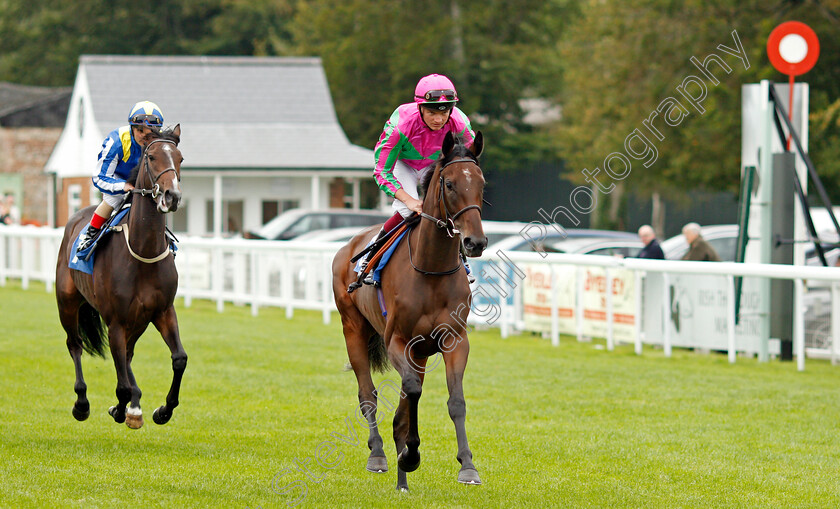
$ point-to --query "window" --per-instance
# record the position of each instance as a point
(94, 195)
(74, 199)
(273, 208)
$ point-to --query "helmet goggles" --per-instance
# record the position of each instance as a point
(147, 120)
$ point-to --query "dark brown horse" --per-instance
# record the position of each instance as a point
(427, 307)
(133, 284)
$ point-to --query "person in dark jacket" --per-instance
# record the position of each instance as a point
(698, 250)
(651, 249)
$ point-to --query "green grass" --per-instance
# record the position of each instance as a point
(574, 426)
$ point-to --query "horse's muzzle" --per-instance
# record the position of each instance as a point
(474, 246)
(169, 201)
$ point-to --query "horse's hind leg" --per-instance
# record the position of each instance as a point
(357, 333)
(167, 324)
(68, 313)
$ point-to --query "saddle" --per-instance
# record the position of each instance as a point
(381, 250)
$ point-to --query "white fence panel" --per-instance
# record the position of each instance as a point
(644, 302)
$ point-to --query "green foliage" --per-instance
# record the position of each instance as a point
(607, 63)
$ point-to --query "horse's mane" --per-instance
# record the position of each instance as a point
(167, 134)
(458, 151)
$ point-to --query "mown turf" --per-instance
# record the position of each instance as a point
(574, 426)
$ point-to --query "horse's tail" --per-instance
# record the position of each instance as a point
(377, 355)
(92, 331)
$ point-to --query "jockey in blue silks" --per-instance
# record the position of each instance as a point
(121, 152)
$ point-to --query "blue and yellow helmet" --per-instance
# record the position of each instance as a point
(146, 113)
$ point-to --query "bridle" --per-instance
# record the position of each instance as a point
(448, 221)
(154, 192)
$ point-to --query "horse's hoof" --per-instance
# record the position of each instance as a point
(469, 476)
(119, 417)
(408, 463)
(79, 414)
(134, 418)
(402, 489)
(377, 464)
(160, 417)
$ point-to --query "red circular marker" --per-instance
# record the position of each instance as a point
(793, 48)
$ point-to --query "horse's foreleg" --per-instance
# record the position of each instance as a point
(167, 324)
(134, 414)
(117, 340)
(406, 431)
(456, 363)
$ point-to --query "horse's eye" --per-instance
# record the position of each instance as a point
(151, 158)
(449, 185)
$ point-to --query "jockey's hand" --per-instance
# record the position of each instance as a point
(128, 187)
(414, 205)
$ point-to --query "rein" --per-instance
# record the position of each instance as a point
(155, 191)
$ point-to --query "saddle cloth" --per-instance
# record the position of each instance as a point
(83, 260)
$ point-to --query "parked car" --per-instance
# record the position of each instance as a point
(342, 235)
(531, 241)
(723, 238)
(292, 223)
(498, 230)
(597, 246)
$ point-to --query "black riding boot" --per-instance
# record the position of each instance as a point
(365, 277)
(87, 238)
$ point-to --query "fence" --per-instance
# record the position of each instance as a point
(643, 302)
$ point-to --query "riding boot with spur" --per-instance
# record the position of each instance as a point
(365, 278)
(87, 238)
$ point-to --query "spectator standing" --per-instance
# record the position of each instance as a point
(652, 249)
(699, 250)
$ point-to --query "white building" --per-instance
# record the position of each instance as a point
(258, 136)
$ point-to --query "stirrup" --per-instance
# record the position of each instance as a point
(370, 281)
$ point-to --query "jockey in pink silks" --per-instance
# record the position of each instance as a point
(411, 142)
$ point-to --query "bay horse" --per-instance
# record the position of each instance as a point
(426, 308)
(133, 284)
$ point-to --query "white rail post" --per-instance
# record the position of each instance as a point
(3, 258)
(798, 324)
(666, 314)
(637, 321)
(326, 287)
(609, 282)
(555, 326)
(835, 322)
(579, 284)
(255, 291)
(730, 317)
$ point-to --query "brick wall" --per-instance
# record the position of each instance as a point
(24, 151)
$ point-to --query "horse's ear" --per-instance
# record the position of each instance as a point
(448, 144)
(177, 131)
(477, 146)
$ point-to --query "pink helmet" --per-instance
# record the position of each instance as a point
(435, 91)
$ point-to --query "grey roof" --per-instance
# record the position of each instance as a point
(235, 112)
(30, 106)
